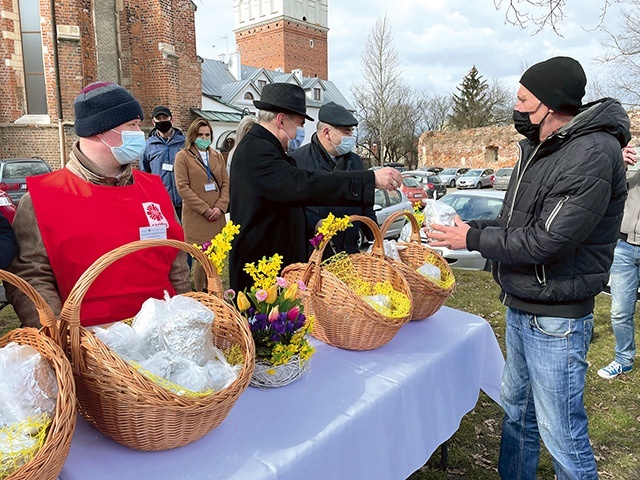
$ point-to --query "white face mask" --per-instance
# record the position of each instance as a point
(294, 143)
(132, 148)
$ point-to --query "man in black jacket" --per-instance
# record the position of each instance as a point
(552, 248)
(268, 192)
(330, 150)
(8, 243)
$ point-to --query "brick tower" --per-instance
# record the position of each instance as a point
(283, 35)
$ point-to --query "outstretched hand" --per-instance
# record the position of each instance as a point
(454, 238)
(388, 178)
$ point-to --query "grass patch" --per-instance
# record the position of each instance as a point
(613, 406)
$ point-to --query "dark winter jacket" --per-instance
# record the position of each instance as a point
(158, 158)
(313, 156)
(268, 196)
(553, 243)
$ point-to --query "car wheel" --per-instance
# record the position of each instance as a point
(479, 185)
(452, 183)
(361, 239)
(488, 266)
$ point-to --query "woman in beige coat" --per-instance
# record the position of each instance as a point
(203, 184)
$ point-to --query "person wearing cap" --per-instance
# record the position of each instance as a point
(552, 247)
(96, 203)
(164, 142)
(269, 192)
(330, 150)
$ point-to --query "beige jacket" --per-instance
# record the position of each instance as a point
(32, 263)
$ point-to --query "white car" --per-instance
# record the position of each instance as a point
(387, 203)
(476, 178)
(470, 205)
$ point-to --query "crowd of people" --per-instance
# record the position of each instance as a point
(570, 219)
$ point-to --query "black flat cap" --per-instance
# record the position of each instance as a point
(283, 97)
(161, 110)
(336, 115)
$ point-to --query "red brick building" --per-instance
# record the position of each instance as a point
(283, 35)
(147, 47)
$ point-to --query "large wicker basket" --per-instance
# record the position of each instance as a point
(123, 404)
(342, 318)
(428, 296)
(48, 461)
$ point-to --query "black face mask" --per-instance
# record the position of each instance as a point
(163, 126)
(522, 122)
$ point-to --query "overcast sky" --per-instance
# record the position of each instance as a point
(438, 41)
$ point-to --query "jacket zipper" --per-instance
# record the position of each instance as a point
(554, 213)
(541, 279)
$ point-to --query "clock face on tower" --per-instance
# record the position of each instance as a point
(283, 35)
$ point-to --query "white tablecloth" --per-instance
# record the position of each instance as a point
(376, 415)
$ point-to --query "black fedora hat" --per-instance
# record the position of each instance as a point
(283, 97)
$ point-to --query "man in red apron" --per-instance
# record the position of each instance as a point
(72, 216)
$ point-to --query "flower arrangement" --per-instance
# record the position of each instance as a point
(216, 250)
(418, 212)
(276, 316)
(329, 227)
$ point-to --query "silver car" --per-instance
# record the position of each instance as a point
(476, 178)
(450, 175)
(385, 204)
(503, 176)
(470, 205)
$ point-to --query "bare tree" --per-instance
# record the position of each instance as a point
(377, 97)
(623, 57)
(541, 13)
(436, 112)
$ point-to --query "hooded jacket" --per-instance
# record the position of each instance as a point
(159, 152)
(552, 245)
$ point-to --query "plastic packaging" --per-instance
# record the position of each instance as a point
(438, 213)
(431, 272)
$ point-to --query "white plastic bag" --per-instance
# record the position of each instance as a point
(438, 213)
(431, 272)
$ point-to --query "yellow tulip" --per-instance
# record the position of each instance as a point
(243, 302)
(291, 292)
(272, 294)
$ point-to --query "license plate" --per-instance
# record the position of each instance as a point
(418, 195)
(23, 186)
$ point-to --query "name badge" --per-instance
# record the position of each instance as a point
(157, 232)
(210, 187)
(167, 167)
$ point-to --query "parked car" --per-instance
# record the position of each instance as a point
(14, 173)
(450, 175)
(7, 207)
(413, 189)
(435, 170)
(431, 183)
(503, 176)
(397, 165)
(476, 178)
(471, 205)
(385, 204)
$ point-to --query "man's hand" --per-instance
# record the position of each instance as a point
(388, 178)
(454, 238)
(629, 155)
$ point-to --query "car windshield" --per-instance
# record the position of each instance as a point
(448, 171)
(19, 170)
(504, 172)
(410, 182)
(473, 173)
(474, 207)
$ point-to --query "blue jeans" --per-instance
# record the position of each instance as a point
(542, 396)
(625, 275)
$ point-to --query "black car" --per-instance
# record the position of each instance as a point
(14, 173)
(431, 183)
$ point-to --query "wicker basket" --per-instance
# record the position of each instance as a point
(342, 318)
(428, 297)
(122, 403)
(48, 461)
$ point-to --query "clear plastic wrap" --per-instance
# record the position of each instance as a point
(391, 249)
(29, 387)
(438, 213)
(431, 272)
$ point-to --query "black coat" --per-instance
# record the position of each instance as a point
(8, 243)
(268, 193)
(314, 157)
(553, 243)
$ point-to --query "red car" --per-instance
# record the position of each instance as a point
(7, 208)
(414, 190)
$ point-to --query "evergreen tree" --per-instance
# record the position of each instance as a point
(472, 107)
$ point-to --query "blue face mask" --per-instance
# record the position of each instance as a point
(346, 145)
(294, 143)
(132, 148)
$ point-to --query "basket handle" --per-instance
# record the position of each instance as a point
(45, 315)
(70, 314)
(377, 249)
(415, 228)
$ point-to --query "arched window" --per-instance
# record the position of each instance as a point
(248, 96)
